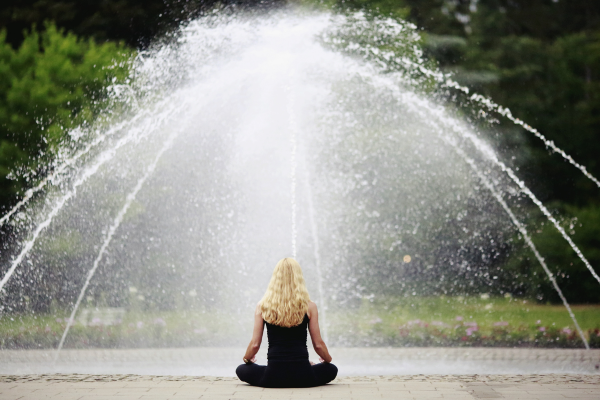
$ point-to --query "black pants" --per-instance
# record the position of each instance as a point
(287, 374)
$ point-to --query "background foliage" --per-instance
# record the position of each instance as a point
(540, 58)
(52, 82)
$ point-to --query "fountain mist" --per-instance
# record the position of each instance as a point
(188, 196)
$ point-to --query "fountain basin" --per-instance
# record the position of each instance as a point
(221, 361)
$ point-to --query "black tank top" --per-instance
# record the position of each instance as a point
(288, 344)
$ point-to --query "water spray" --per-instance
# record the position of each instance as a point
(109, 236)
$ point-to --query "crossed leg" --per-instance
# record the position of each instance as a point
(324, 372)
(251, 373)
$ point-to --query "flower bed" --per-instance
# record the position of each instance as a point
(417, 333)
(399, 322)
(135, 331)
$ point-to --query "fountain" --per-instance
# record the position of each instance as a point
(243, 139)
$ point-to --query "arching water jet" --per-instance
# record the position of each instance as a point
(387, 207)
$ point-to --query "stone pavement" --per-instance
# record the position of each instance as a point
(125, 387)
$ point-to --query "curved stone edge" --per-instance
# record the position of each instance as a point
(530, 378)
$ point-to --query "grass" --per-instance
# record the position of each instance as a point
(392, 321)
(492, 321)
(136, 329)
(398, 311)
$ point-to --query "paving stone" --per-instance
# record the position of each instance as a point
(29, 397)
(425, 394)
(93, 396)
(579, 393)
(160, 397)
(165, 391)
(468, 387)
(338, 393)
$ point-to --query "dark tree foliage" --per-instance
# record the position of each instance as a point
(50, 83)
(541, 59)
(55, 74)
(135, 22)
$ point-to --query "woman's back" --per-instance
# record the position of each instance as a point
(288, 364)
(288, 343)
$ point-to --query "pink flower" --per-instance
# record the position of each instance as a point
(567, 331)
(472, 329)
(542, 329)
(501, 323)
(459, 318)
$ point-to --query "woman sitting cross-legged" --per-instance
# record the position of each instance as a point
(287, 311)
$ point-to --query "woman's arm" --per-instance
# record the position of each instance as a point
(315, 333)
(257, 334)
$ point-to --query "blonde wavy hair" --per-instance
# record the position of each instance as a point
(285, 302)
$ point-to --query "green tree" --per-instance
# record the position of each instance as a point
(572, 276)
(136, 22)
(541, 59)
(53, 82)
